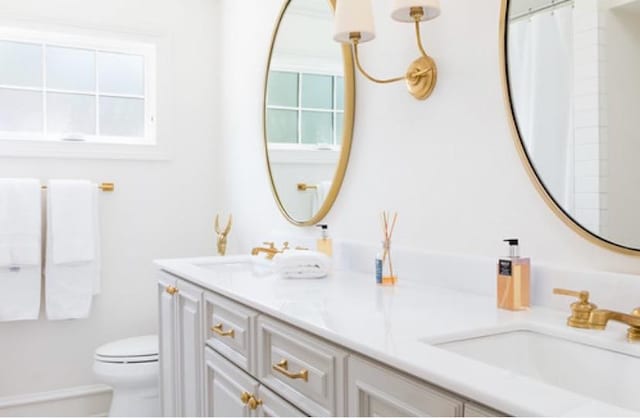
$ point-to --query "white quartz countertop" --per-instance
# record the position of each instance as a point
(394, 325)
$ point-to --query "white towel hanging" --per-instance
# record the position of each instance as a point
(72, 268)
(20, 249)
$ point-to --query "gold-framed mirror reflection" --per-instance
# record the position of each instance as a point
(308, 111)
(570, 82)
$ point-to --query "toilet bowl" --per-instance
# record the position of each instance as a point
(130, 367)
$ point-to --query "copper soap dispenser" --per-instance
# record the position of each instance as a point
(514, 280)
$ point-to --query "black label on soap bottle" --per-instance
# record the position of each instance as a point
(505, 267)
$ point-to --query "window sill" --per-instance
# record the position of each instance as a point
(281, 155)
(81, 150)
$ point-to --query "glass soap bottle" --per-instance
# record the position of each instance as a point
(514, 285)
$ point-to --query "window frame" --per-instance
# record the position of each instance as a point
(300, 71)
(96, 44)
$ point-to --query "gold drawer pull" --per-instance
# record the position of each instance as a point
(217, 328)
(245, 396)
(172, 290)
(283, 368)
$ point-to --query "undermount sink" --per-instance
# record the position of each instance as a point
(598, 373)
(237, 264)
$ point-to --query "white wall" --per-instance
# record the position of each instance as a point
(159, 208)
(448, 165)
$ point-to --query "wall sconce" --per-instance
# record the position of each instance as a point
(354, 25)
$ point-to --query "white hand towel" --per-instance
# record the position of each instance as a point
(71, 209)
(20, 222)
(70, 286)
(20, 249)
(302, 264)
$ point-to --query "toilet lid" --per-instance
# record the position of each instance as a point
(130, 350)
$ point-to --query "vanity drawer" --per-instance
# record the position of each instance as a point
(230, 329)
(305, 370)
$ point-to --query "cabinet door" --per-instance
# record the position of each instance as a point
(374, 390)
(189, 351)
(273, 405)
(167, 347)
(224, 386)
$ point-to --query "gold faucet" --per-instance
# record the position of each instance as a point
(600, 317)
(270, 250)
(580, 310)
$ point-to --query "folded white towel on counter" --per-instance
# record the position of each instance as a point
(302, 264)
(20, 222)
(71, 222)
(20, 249)
(72, 274)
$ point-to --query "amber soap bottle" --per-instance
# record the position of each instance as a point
(514, 283)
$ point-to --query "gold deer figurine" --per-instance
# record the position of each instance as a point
(223, 234)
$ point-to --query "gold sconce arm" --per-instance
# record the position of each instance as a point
(422, 75)
(355, 41)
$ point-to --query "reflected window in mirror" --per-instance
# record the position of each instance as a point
(305, 109)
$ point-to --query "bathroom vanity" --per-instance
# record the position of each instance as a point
(236, 340)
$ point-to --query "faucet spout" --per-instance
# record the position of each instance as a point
(599, 319)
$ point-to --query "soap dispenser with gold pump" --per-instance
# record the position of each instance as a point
(324, 244)
(513, 285)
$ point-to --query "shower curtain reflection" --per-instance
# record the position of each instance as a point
(540, 56)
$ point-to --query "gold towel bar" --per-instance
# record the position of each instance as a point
(105, 187)
(303, 187)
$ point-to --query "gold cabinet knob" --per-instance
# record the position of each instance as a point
(245, 396)
(218, 329)
(254, 403)
(580, 310)
(172, 290)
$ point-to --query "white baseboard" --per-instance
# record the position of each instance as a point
(90, 400)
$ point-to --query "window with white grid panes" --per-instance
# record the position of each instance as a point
(57, 87)
(305, 108)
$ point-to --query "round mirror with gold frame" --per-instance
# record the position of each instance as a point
(308, 111)
(571, 86)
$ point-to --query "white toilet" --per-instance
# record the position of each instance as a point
(130, 367)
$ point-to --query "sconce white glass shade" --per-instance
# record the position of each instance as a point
(401, 9)
(353, 16)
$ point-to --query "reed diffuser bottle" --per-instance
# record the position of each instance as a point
(389, 277)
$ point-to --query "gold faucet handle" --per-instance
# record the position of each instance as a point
(580, 310)
(285, 246)
(583, 295)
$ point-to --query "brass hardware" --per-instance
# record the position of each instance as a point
(421, 76)
(282, 367)
(346, 136)
(217, 328)
(600, 317)
(105, 187)
(222, 234)
(245, 396)
(580, 310)
(172, 290)
(254, 403)
(303, 187)
(270, 250)
(524, 156)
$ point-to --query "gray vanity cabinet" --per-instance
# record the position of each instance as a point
(181, 347)
(219, 357)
